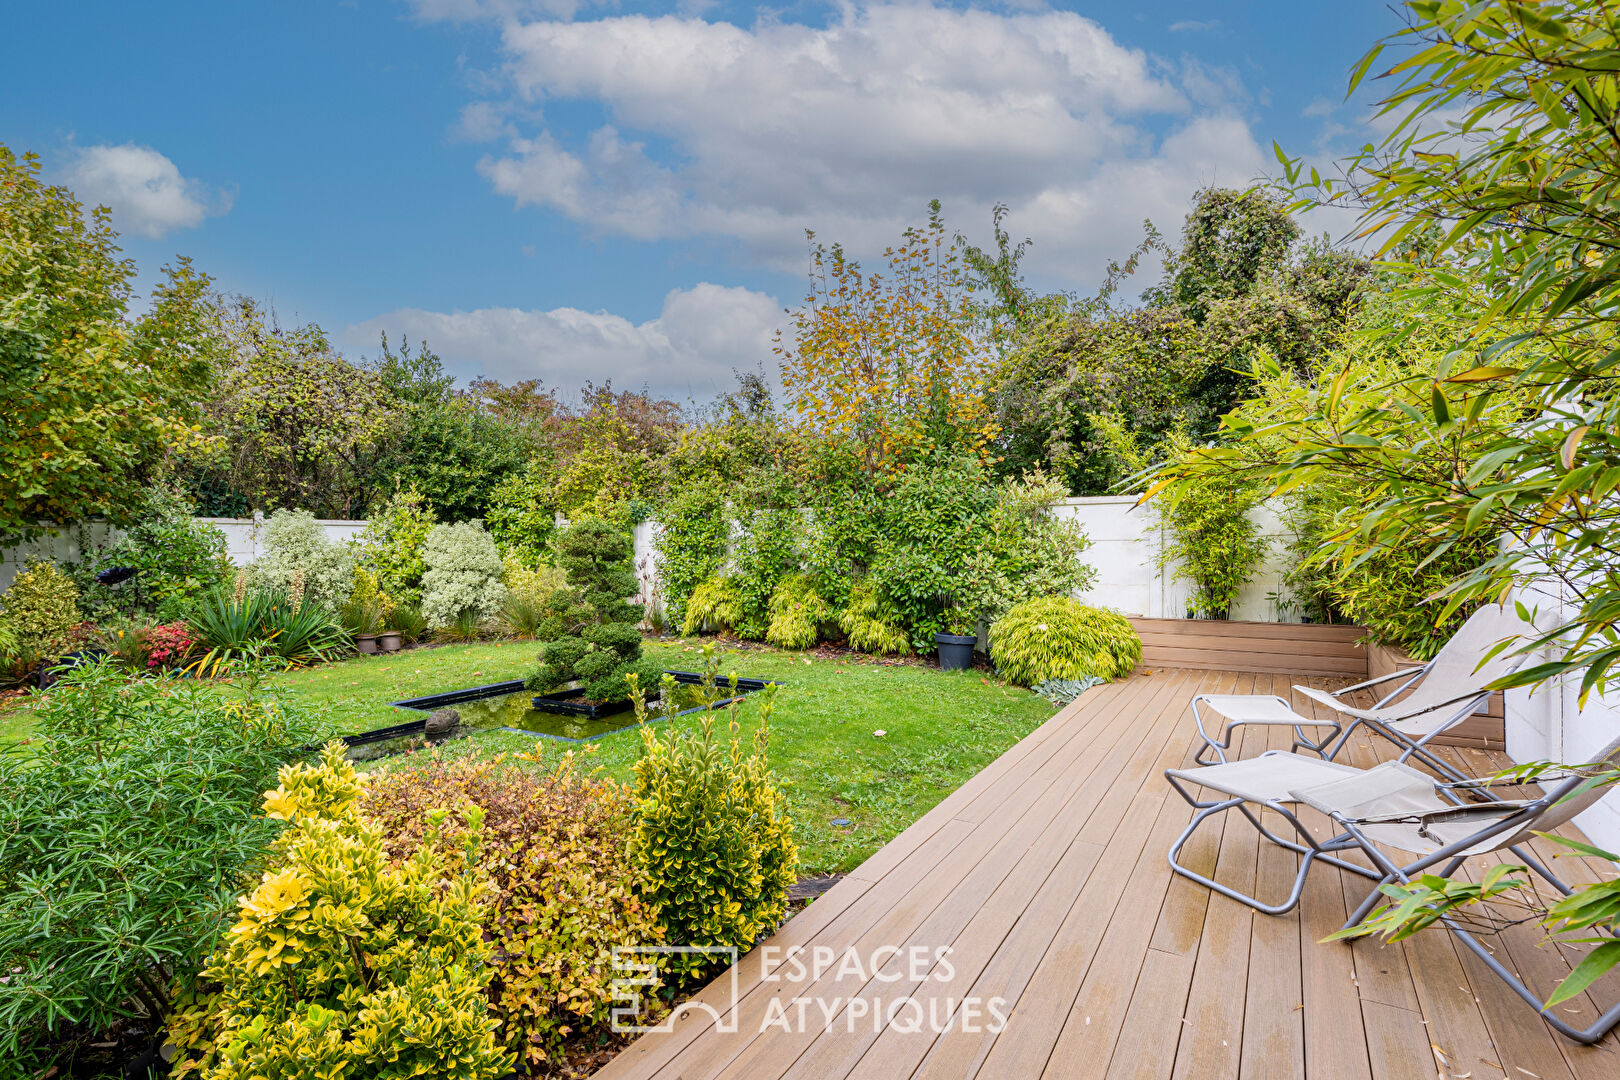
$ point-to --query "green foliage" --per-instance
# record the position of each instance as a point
(590, 627)
(1057, 637)
(463, 574)
(1211, 538)
(566, 892)
(41, 609)
(93, 399)
(765, 550)
(521, 514)
(871, 623)
(716, 605)
(295, 548)
(797, 612)
(289, 417)
(1229, 240)
(391, 545)
(693, 539)
(712, 839)
(124, 834)
(177, 558)
(408, 621)
(251, 624)
(343, 963)
(528, 593)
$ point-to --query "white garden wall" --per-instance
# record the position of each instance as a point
(243, 542)
(1126, 541)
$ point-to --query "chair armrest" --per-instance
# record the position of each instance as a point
(1409, 671)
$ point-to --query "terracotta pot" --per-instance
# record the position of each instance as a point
(388, 642)
(366, 643)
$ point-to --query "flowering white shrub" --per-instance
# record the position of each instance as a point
(292, 541)
(463, 573)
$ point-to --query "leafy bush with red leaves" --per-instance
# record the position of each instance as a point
(556, 845)
(168, 645)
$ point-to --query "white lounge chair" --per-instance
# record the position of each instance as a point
(1393, 805)
(1439, 694)
(1442, 693)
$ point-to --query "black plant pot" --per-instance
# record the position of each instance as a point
(955, 651)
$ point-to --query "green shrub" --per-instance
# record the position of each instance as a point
(42, 609)
(341, 963)
(797, 612)
(293, 542)
(765, 550)
(1057, 637)
(716, 605)
(178, 560)
(712, 838)
(391, 546)
(590, 627)
(871, 623)
(522, 514)
(693, 537)
(463, 574)
(125, 829)
(1211, 539)
(566, 891)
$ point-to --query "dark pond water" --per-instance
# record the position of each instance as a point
(516, 710)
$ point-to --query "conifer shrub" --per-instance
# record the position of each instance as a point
(343, 962)
(1057, 637)
(591, 627)
(565, 893)
(712, 837)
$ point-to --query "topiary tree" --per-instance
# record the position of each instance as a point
(463, 574)
(1057, 637)
(590, 627)
(294, 542)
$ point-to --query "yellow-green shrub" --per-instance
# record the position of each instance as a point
(712, 838)
(797, 611)
(565, 891)
(1056, 637)
(871, 623)
(41, 608)
(716, 604)
(531, 584)
(342, 963)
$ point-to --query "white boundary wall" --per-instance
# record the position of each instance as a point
(1547, 723)
(1126, 542)
(243, 542)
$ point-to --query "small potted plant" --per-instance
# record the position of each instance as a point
(363, 621)
(956, 641)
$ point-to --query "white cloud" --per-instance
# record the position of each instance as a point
(1194, 26)
(753, 134)
(144, 189)
(689, 350)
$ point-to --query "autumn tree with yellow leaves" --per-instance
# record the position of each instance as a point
(891, 361)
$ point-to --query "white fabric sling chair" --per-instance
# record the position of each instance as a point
(1444, 692)
(1441, 693)
(1393, 805)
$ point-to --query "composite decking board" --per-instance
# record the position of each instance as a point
(736, 1054)
(1046, 874)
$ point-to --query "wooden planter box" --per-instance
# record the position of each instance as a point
(1272, 648)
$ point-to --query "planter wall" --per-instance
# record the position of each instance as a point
(1271, 648)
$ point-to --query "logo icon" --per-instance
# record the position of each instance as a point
(638, 971)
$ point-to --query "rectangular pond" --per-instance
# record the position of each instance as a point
(507, 706)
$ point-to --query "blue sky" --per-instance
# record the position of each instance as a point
(578, 191)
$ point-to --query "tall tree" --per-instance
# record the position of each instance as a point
(93, 398)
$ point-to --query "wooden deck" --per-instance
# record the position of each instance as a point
(1045, 875)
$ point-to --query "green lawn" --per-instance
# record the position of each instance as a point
(939, 729)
